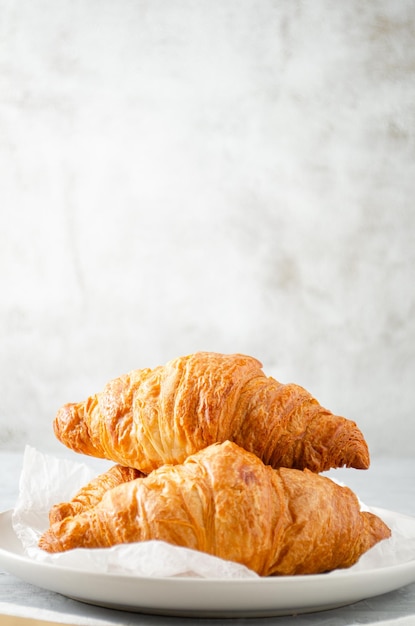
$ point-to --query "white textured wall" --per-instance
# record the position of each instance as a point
(234, 176)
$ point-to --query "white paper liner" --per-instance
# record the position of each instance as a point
(46, 480)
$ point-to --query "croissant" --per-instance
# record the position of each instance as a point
(89, 495)
(224, 501)
(150, 417)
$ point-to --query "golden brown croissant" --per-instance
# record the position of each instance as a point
(150, 417)
(224, 501)
(89, 495)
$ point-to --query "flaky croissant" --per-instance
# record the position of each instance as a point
(89, 495)
(224, 501)
(150, 417)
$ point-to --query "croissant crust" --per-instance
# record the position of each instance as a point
(89, 495)
(151, 417)
(224, 501)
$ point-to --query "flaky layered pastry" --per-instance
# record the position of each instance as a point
(89, 495)
(224, 501)
(150, 417)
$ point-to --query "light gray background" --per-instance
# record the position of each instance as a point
(235, 176)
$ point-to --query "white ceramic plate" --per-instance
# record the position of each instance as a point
(200, 597)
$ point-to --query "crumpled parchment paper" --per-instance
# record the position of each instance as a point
(46, 480)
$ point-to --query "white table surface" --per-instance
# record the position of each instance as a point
(389, 483)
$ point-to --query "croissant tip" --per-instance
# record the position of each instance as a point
(353, 446)
(64, 418)
(72, 430)
(361, 461)
(379, 530)
(48, 543)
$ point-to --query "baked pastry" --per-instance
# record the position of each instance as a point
(150, 417)
(224, 501)
(89, 495)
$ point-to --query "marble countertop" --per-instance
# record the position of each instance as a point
(389, 484)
